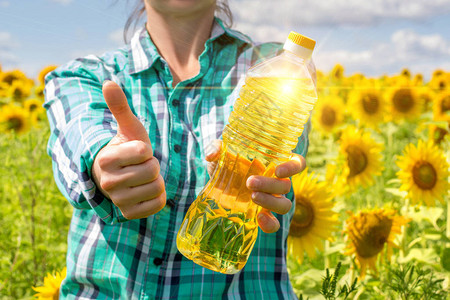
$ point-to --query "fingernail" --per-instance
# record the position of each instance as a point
(262, 219)
(254, 194)
(279, 172)
(211, 149)
(252, 182)
(106, 81)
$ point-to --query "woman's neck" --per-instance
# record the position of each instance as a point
(180, 40)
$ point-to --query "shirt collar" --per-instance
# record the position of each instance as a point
(142, 53)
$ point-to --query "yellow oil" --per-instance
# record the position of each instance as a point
(220, 229)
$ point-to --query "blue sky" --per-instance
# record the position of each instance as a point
(372, 37)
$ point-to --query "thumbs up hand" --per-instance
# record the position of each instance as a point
(125, 170)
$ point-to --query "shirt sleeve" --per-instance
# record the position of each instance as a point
(81, 124)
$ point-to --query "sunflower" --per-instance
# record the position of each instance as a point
(361, 160)
(33, 104)
(314, 219)
(406, 73)
(439, 83)
(404, 102)
(328, 113)
(417, 80)
(357, 79)
(10, 76)
(3, 89)
(438, 134)
(424, 173)
(14, 118)
(337, 73)
(367, 105)
(437, 73)
(441, 107)
(368, 232)
(35, 109)
(426, 96)
(50, 289)
(45, 71)
(19, 90)
(39, 91)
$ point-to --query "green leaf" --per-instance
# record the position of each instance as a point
(335, 249)
(396, 192)
(445, 259)
(393, 181)
(426, 255)
(431, 214)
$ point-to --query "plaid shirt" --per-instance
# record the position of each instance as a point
(110, 257)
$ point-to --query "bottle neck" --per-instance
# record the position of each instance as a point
(297, 50)
(293, 55)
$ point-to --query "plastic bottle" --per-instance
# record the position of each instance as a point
(220, 228)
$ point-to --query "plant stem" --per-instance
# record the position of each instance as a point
(403, 252)
(327, 256)
(390, 132)
(448, 223)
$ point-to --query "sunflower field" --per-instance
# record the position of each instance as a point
(372, 208)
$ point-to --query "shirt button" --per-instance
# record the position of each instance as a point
(157, 261)
(176, 102)
(177, 148)
(170, 202)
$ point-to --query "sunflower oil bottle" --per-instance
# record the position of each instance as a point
(220, 227)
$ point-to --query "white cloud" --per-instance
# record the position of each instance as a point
(116, 36)
(63, 2)
(413, 45)
(4, 4)
(7, 46)
(406, 49)
(334, 12)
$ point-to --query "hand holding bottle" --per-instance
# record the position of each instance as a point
(267, 192)
(125, 170)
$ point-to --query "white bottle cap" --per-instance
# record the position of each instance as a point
(299, 44)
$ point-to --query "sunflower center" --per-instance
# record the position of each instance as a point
(9, 78)
(445, 104)
(403, 100)
(17, 94)
(370, 104)
(303, 218)
(328, 117)
(370, 234)
(15, 123)
(439, 134)
(32, 107)
(357, 160)
(442, 85)
(424, 175)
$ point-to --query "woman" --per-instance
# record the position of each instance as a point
(132, 174)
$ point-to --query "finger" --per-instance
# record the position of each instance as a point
(122, 155)
(136, 175)
(295, 165)
(132, 195)
(128, 124)
(145, 208)
(269, 185)
(133, 153)
(211, 167)
(267, 222)
(279, 204)
(212, 151)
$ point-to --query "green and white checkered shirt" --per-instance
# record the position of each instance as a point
(110, 257)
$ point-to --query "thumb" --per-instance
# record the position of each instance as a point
(128, 126)
(212, 154)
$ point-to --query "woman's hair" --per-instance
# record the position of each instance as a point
(222, 10)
